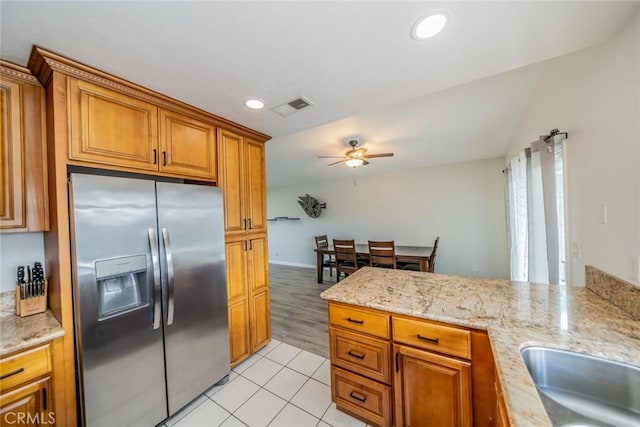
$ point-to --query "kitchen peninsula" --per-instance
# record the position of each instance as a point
(513, 314)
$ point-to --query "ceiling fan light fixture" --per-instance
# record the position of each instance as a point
(254, 103)
(354, 163)
(429, 26)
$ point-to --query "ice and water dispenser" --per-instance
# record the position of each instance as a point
(122, 285)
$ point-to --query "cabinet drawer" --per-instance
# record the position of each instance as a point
(25, 366)
(365, 355)
(361, 397)
(430, 336)
(367, 321)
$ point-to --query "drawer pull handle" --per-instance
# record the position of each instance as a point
(431, 340)
(359, 322)
(10, 374)
(356, 397)
(356, 355)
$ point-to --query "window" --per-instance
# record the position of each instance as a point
(536, 212)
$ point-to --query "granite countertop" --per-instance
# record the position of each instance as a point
(515, 315)
(18, 333)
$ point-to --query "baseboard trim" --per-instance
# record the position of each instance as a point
(292, 264)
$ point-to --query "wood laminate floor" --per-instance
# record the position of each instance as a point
(298, 314)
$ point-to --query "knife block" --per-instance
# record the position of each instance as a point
(34, 305)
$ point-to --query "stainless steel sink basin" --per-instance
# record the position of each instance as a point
(581, 390)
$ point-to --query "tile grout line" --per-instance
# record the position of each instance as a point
(308, 378)
(287, 401)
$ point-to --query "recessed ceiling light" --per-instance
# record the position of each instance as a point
(429, 26)
(254, 103)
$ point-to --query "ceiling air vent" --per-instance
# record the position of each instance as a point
(292, 106)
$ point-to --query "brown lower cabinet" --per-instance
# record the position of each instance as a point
(26, 388)
(361, 397)
(431, 389)
(29, 405)
(389, 369)
(247, 294)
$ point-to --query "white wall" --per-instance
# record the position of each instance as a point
(463, 203)
(594, 94)
(18, 249)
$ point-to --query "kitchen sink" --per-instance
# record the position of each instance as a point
(582, 390)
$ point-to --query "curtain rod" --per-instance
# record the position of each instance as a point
(554, 132)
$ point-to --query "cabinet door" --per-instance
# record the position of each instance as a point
(29, 405)
(112, 128)
(431, 390)
(258, 263)
(231, 179)
(12, 179)
(24, 196)
(260, 320)
(258, 276)
(187, 146)
(255, 186)
(238, 300)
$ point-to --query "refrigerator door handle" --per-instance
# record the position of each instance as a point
(157, 290)
(169, 259)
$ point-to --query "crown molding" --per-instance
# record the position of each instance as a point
(17, 71)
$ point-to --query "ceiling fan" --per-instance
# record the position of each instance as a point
(355, 157)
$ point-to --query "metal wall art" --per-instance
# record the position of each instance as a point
(311, 205)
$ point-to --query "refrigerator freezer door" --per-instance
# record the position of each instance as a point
(121, 363)
(194, 288)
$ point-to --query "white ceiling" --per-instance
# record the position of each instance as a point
(354, 60)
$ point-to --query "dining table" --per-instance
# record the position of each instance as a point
(407, 254)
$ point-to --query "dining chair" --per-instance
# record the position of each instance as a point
(327, 260)
(432, 260)
(382, 254)
(346, 259)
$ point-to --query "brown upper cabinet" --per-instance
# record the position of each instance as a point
(115, 129)
(187, 146)
(242, 177)
(111, 128)
(114, 124)
(24, 202)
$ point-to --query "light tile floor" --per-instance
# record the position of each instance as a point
(280, 386)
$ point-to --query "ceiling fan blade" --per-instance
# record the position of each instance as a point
(365, 163)
(360, 152)
(373, 156)
(331, 157)
(335, 163)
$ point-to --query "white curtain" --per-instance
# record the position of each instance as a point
(535, 200)
(518, 227)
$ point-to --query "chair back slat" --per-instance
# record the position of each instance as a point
(345, 250)
(382, 254)
(322, 241)
(346, 258)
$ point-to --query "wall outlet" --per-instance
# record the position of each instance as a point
(474, 267)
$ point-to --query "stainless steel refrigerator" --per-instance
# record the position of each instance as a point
(150, 296)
